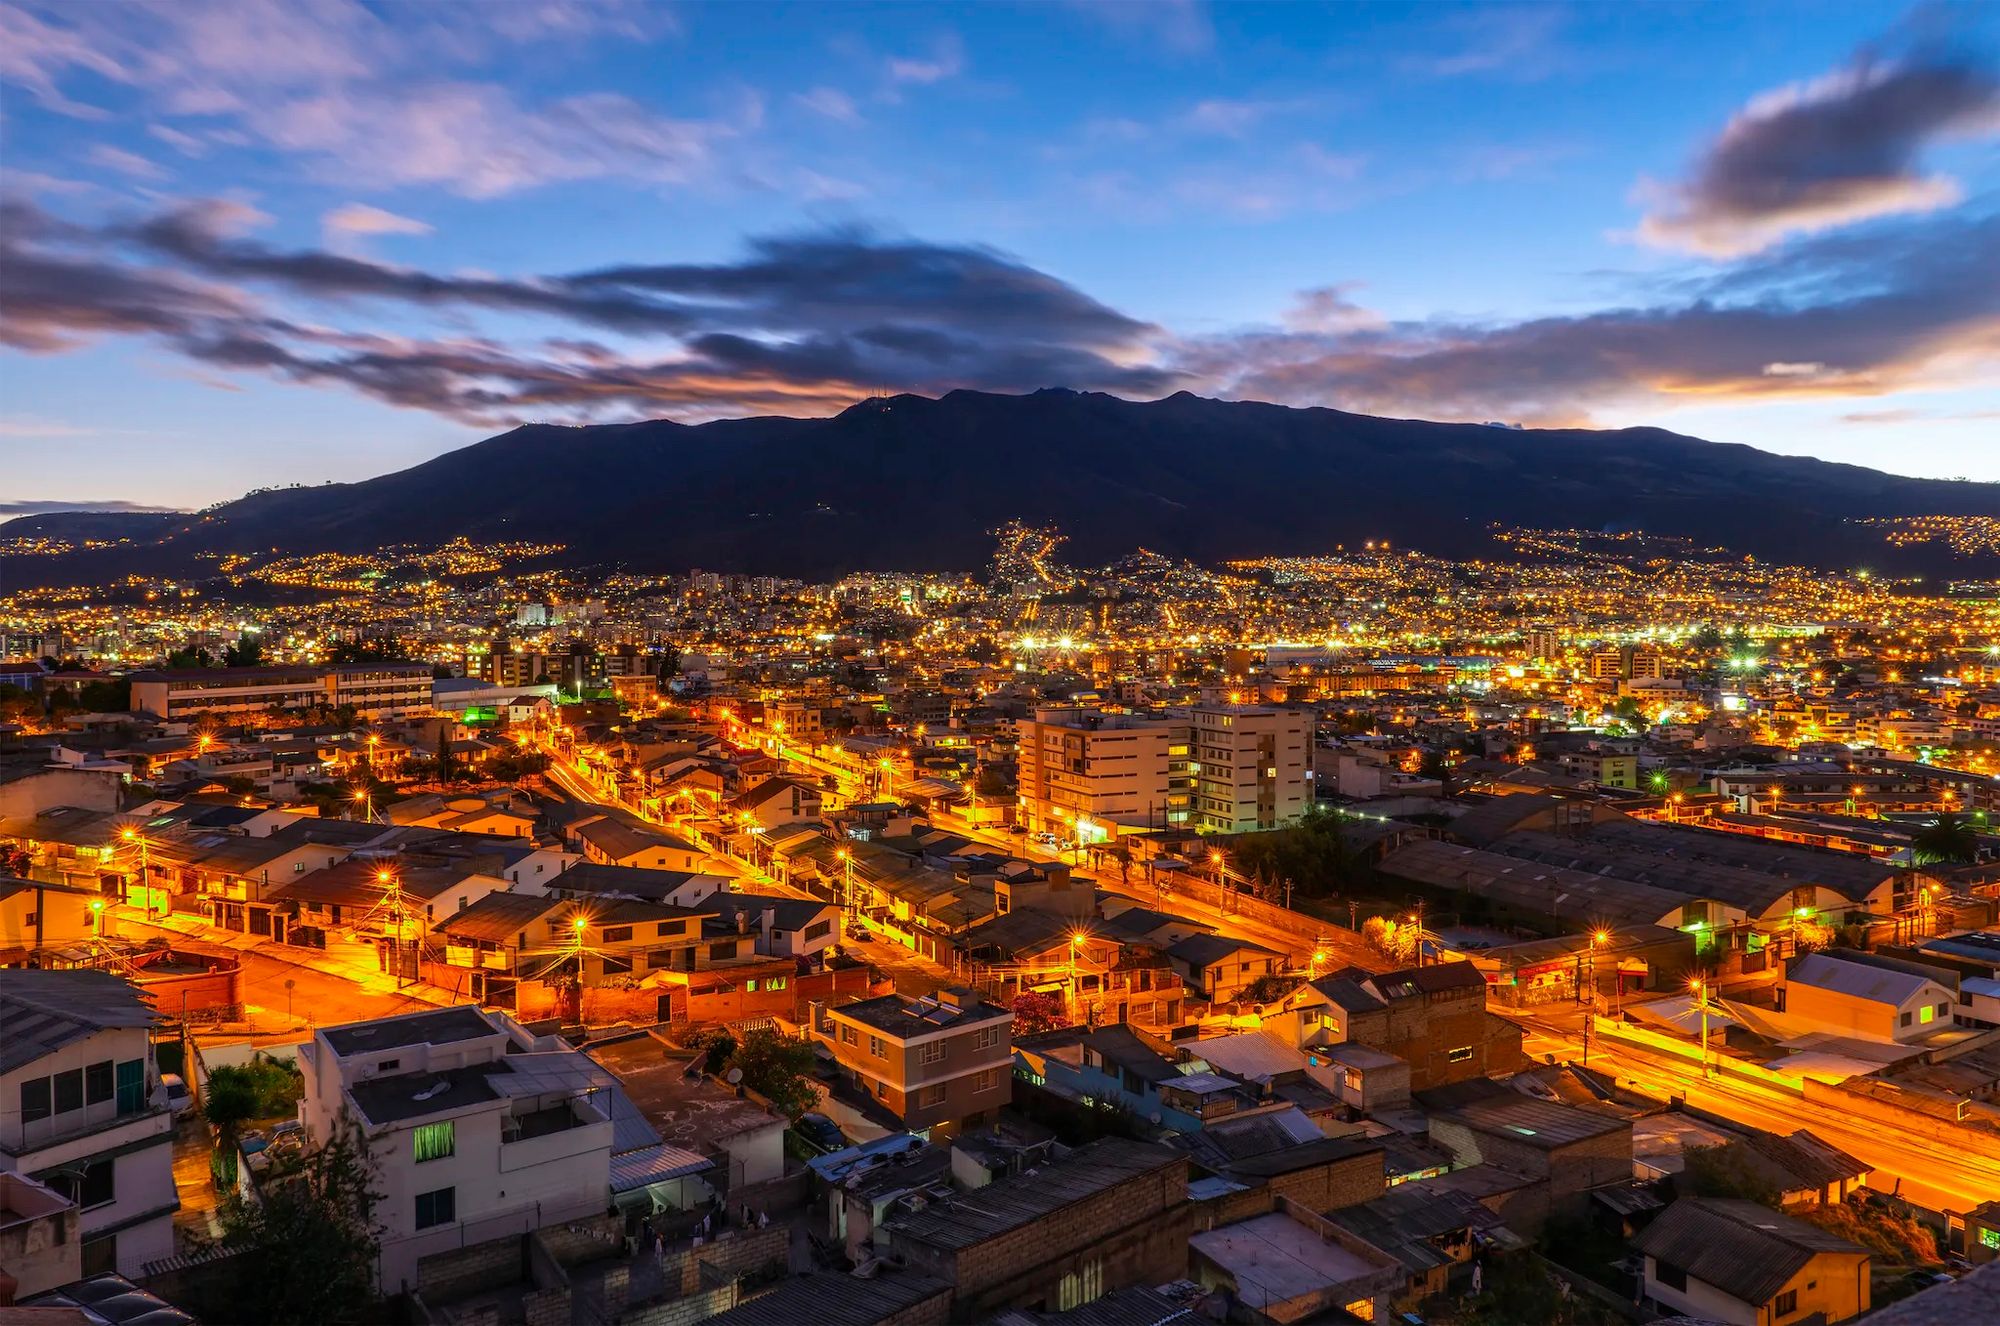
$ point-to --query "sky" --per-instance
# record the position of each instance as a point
(291, 241)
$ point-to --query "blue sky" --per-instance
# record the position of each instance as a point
(258, 243)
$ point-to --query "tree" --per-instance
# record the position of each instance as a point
(1950, 839)
(1724, 1171)
(260, 1089)
(14, 861)
(779, 1068)
(1312, 854)
(1035, 1012)
(247, 652)
(308, 1249)
(18, 705)
(191, 657)
(368, 651)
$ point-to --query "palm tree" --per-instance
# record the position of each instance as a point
(1950, 839)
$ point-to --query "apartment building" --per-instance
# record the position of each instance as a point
(82, 1110)
(478, 1130)
(941, 1063)
(375, 690)
(1249, 766)
(1084, 774)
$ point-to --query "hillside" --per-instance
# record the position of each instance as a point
(914, 483)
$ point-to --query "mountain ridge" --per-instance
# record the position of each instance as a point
(913, 483)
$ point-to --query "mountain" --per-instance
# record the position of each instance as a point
(913, 483)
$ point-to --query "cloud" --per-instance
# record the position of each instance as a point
(1844, 316)
(1814, 156)
(1514, 43)
(804, 322)
(830, 102)
(946, 60)
(1328, 309)
(362, 219)
(367, 92)
(125, 163)
(1179, 27)
(16, 509)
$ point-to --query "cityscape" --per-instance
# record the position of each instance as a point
(861, 784)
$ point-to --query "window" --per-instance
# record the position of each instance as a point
(1460, 1055)
(818, 930)
(931, 1053)
(750, 986)
(777, 982)
(987, 1038)
(1924, 1014)
(69, 1090)
(659, 959)
(131, 1086)
(666, 928)
(617, 934)
(616, 966)
(34, 1099)
(1670, 1275)
(847, 1036)
(930, 1097)
(437, 1208)
(876, 1048)
(93, 1184)
(985, 1079)
(722, 952)
(1906, 1019)
(97, 1083)
(435, 1141)
(1786, 1303)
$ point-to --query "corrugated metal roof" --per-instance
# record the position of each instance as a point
(1746, 1250)
(655, 1164)
(43, 1011)
(1011, 1203)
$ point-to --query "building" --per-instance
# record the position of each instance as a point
(1432, 1018)
(39, 1247)
(1084, 774)
(1565, 1150)
(1109, 1215)
(478, 1130)
(375, 690)
(1739, 1262)
(1292, 1265)
(940, 1064)
(1249, 766)
(1219, 968)
(1866, 995)
(82, 1110)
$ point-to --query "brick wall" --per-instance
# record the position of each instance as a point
(1135, 1232)
(584, 1240)
(444, 1276)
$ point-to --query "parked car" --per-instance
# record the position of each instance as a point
(179, 1099)
(821, 1131)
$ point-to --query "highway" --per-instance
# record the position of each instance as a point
(1912, 1167)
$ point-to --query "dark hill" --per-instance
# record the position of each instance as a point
(913, 483)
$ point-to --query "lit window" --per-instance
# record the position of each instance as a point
(435, 1141)
(1460, 1055)
(1926, 1013)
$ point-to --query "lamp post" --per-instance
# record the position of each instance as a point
(1700, 989)
(145, 864)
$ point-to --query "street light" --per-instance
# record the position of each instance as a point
(1700, 989)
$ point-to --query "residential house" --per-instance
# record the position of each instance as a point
(37, 917)
(1743, 1263)
(1868, 996)
(1221, 969)
(1564, 1151)
(1432, 1018)
(618, 838)
(477, 1130)
(40, 1248)
(1111, 1214)
(776, 803)
(82, 1110)
(940, 1063)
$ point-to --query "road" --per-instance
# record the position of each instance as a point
(1913, 1167)
(318, 998)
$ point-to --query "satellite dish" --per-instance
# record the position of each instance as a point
(734, 1077)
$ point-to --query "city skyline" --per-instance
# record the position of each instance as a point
(331, 241)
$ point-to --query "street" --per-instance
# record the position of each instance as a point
(1912, 1167)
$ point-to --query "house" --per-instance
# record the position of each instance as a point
(82, 1110)
(677, 888)
(1221, 969)
(1429, 1232)
(745, 1140)
(506, 938)
(1432, 1018)
(1292, 1265)
(1114, 1063)
(777, 802)
(35, 917)
(477, 1129)
(1740, 1262)
(940, 1064)
(623, 839)
(39, 1247)
(1111, 1214)
(1564, 1150)
(783, 927)
(1366, 1079)
(1867, 996)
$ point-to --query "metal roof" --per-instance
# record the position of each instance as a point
(985, 1213)
(826, 1299)
(1858, 980)
(1578, 895)
(42, 1011)
(1746, 1250)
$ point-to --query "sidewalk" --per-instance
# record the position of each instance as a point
(350, 960)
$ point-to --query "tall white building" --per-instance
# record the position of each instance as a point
(1248, 765)
(479, 1130)
(82, 1110)
(1086, 774)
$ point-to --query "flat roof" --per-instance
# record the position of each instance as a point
(903, 1017)
(971, 1218)
(403, 1096)
(1275, 1259)
(440, 1026)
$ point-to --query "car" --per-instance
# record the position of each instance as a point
(821, 1131)
(857, 932)
(179, 1099)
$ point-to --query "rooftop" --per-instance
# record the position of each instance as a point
(42, 1011)
(985, 1213)
(437, 1026)
(903, 1017)
(1746, 1250)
